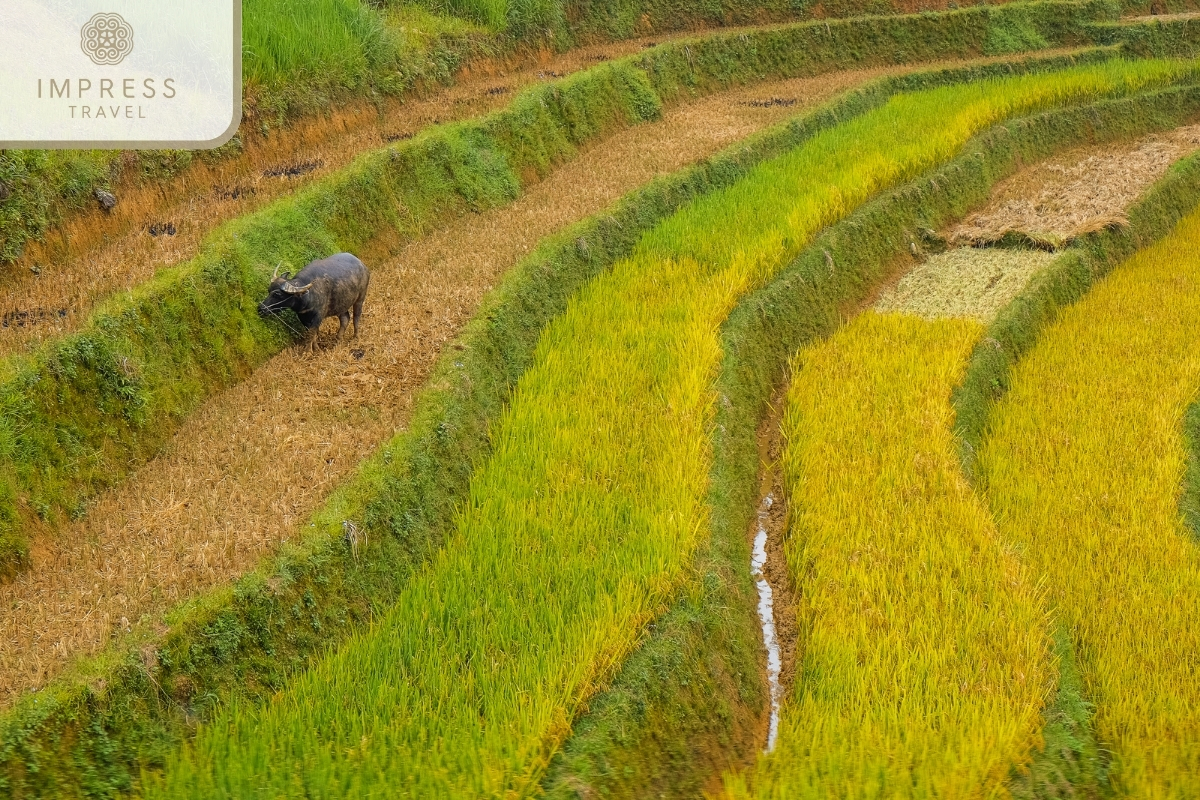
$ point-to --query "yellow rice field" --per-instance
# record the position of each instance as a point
(1084, 468)
(925, 659)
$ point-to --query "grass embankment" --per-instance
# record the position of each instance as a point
(1083, 466)
(592, 20)
(81, 410)
(301, 63)
(911, 606)
(300, 57)
(690, 676)
(582, 522)
(1150, 37)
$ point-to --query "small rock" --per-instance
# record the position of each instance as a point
(358, 353)
(106, 200)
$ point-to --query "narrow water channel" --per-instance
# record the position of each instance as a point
(766, 615)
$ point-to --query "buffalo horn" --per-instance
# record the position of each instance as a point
(290, 289)
(277, 266)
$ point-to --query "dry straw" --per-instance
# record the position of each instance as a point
(966, 282)
(1077, 192)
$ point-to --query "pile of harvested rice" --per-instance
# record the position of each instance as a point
(967, 282)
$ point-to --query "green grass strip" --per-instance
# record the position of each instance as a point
(1083, 463)
(697, 676)
(582, 522)
(685, 66)
(86, 733)
(81, 412)
(1150, 38)
(1189, 499)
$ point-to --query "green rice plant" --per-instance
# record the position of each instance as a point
(1083, 464)
(911, 607)
(582, 522)
(290, 40)
(492, 13)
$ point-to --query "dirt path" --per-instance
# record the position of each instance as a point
(1162, 17)
(251, 465)
(53, 287)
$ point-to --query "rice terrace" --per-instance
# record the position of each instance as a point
(603, 399)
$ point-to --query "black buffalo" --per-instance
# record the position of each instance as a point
(330, 287)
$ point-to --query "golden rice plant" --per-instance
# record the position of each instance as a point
(582, 521)
(924, 658)
(1084, 467)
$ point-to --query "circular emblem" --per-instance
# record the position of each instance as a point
(107, 39)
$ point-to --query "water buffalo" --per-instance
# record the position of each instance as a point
(330, 287)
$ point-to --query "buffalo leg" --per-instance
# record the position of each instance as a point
(343, 323)
(357, 313)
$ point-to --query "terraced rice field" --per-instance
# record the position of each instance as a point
(486, 549)
(54, 286)
(581, 522)
(993, 612)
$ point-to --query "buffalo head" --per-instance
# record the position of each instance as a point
(282, 294)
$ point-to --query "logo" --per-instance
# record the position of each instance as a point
(106, 39)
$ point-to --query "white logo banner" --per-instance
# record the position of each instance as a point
(119, 73)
